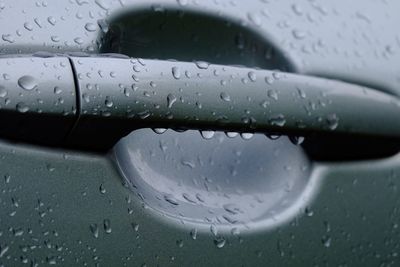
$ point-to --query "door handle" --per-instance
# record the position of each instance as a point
(106, 97)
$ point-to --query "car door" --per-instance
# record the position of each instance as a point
(176, 133)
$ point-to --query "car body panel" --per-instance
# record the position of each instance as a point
(73, 208)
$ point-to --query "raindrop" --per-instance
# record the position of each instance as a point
(107, 226)
(50, 167)
(7, 178)
(170, 199)
(90, 27)
(246, 136)
(296, 140)
(202, 65)
(102, 189)
(207, 134)
(298, 34)
(332, 121)
(179, 243)
(231, 134)
(108, 102)
(159, 130)
(171, 99)
(252, 76)
(272, 94)
(193, 233)
(57, 90)
(3, 250)
(135, 227)
(302, 94)
(27, 82)
(22, 107)
(231, 208)
(278, 120)
(8, 38)
(273, 136)
(51, 260)
(55, 38)
(224, 96)
(94, 229)
(51, 20)
(28, 26)
(213, 229)
(219, 242)
(86, 97)
(326, 241)
(297, 10)
(308, 212)
(3, 91)
(78, 40)
(176, 72)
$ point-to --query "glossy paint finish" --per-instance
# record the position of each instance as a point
(74, 208)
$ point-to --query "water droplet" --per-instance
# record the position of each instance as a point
(246, 136)
(179, 243)
(27, 82)
(231, 208)
(176, 72)
(102, 189)
(202, 65)
(108, 102)
(231, 134)
(90, 27)
(224, 96)
(159, 130)
(28, 26)
(171, 99)
(78, 40)
(272, 94)
(193, 233)
(326, 241)
(135, 227)
(213, 229)
(171, 199)
(8, 38)
(273, 136)
(297, 10)
(296, 140)
(278, 120)
(219, 242)
(94, 229)
(57, 90)
(302, 94)
(252, 76)
(7, 178)
(107, 226)
(308, 212)
(207, 134)
(298, 34)
(86, 97)
(50, 167)
(51, 20)
(3, 91)
(3, 250)
(22, 107)
(332, 121)
(55, 38)
(51, 260)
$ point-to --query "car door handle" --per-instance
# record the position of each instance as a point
(92, 102)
